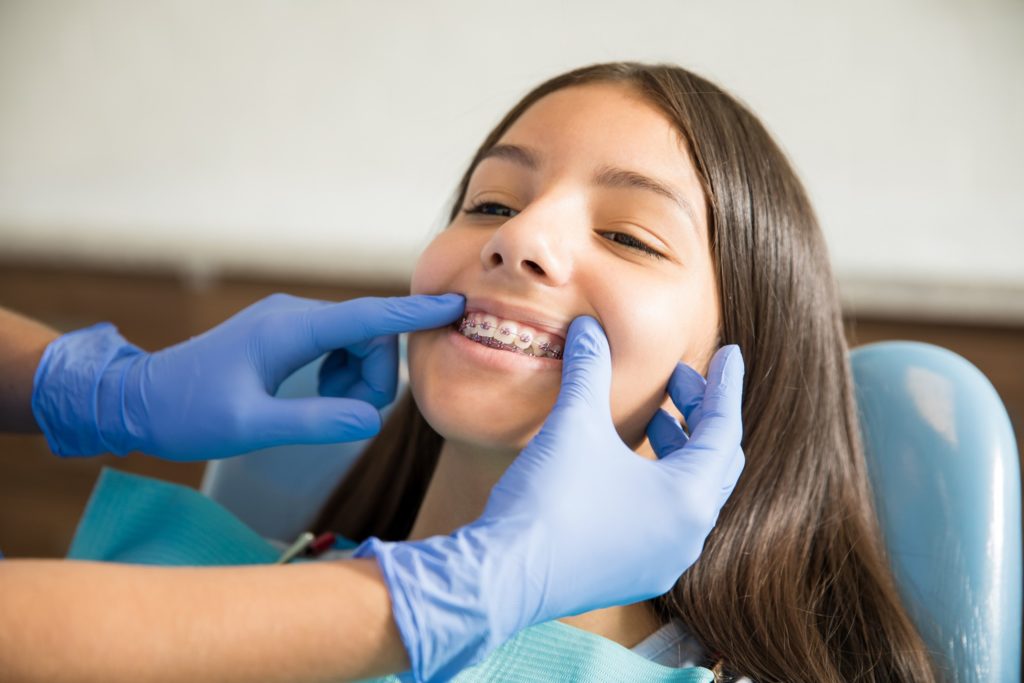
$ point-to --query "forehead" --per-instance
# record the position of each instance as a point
(606, 124)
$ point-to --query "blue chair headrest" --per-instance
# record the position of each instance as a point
(943, 464)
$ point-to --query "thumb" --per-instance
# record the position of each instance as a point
(349, 322)
(721, 421)
(586, 368)
(314, 420)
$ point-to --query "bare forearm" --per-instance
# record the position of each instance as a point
(85, 621)
(22, 342)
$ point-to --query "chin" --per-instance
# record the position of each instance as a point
(465, 417)
(477, 405)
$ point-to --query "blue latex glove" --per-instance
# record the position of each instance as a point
(213, 396)
(578, 521)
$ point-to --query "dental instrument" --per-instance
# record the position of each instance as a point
(298, 547)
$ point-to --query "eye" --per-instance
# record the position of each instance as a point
(491, 209)
(634, 243)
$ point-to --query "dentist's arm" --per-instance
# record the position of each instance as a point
(213, 395)
(22, 342)
(91, 391)
(111, 623)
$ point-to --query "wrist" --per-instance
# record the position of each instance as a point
(69, 393)
(118, 388)
(455, 598)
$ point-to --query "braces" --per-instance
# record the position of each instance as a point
(494, 343)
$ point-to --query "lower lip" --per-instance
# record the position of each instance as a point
(505, 360)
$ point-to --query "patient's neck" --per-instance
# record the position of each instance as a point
(457, 495)
(458, 490)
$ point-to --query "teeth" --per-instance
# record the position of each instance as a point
(486, 326)
(540, 344)
(509, 335)
(506, 331)
(524, 339)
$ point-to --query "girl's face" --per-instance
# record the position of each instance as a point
(560, 221)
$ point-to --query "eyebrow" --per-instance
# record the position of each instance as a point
(607, 176)
(514, 153)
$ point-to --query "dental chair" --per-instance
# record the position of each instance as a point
(944, 467)
(943, 464)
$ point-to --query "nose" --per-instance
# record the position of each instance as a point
(530, 245)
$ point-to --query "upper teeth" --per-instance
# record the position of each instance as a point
(512, 333)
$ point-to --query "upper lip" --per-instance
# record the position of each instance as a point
(519, 313)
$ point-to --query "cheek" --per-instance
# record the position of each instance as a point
(440, 264)
(642, 363)
(648, 337)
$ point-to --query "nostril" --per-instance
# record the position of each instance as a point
(496, 259)
(534, 267)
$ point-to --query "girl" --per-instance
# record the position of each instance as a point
(647, 197)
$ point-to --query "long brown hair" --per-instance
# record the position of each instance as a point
(793, 583)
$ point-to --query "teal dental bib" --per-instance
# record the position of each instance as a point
(137, 520)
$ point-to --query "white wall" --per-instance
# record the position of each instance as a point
(326, 137)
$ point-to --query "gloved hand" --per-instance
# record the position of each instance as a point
(578, 521)
(213, 396)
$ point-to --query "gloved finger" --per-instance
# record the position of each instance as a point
(314, 420)
(367, 370)
(686, 388)
(349, 322)
(665, 433)
(720, 427)
(732, 476)
(714, 441)
(586, 370)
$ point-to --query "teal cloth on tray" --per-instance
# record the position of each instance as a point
(138, 520)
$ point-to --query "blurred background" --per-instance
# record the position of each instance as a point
(164, 164)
